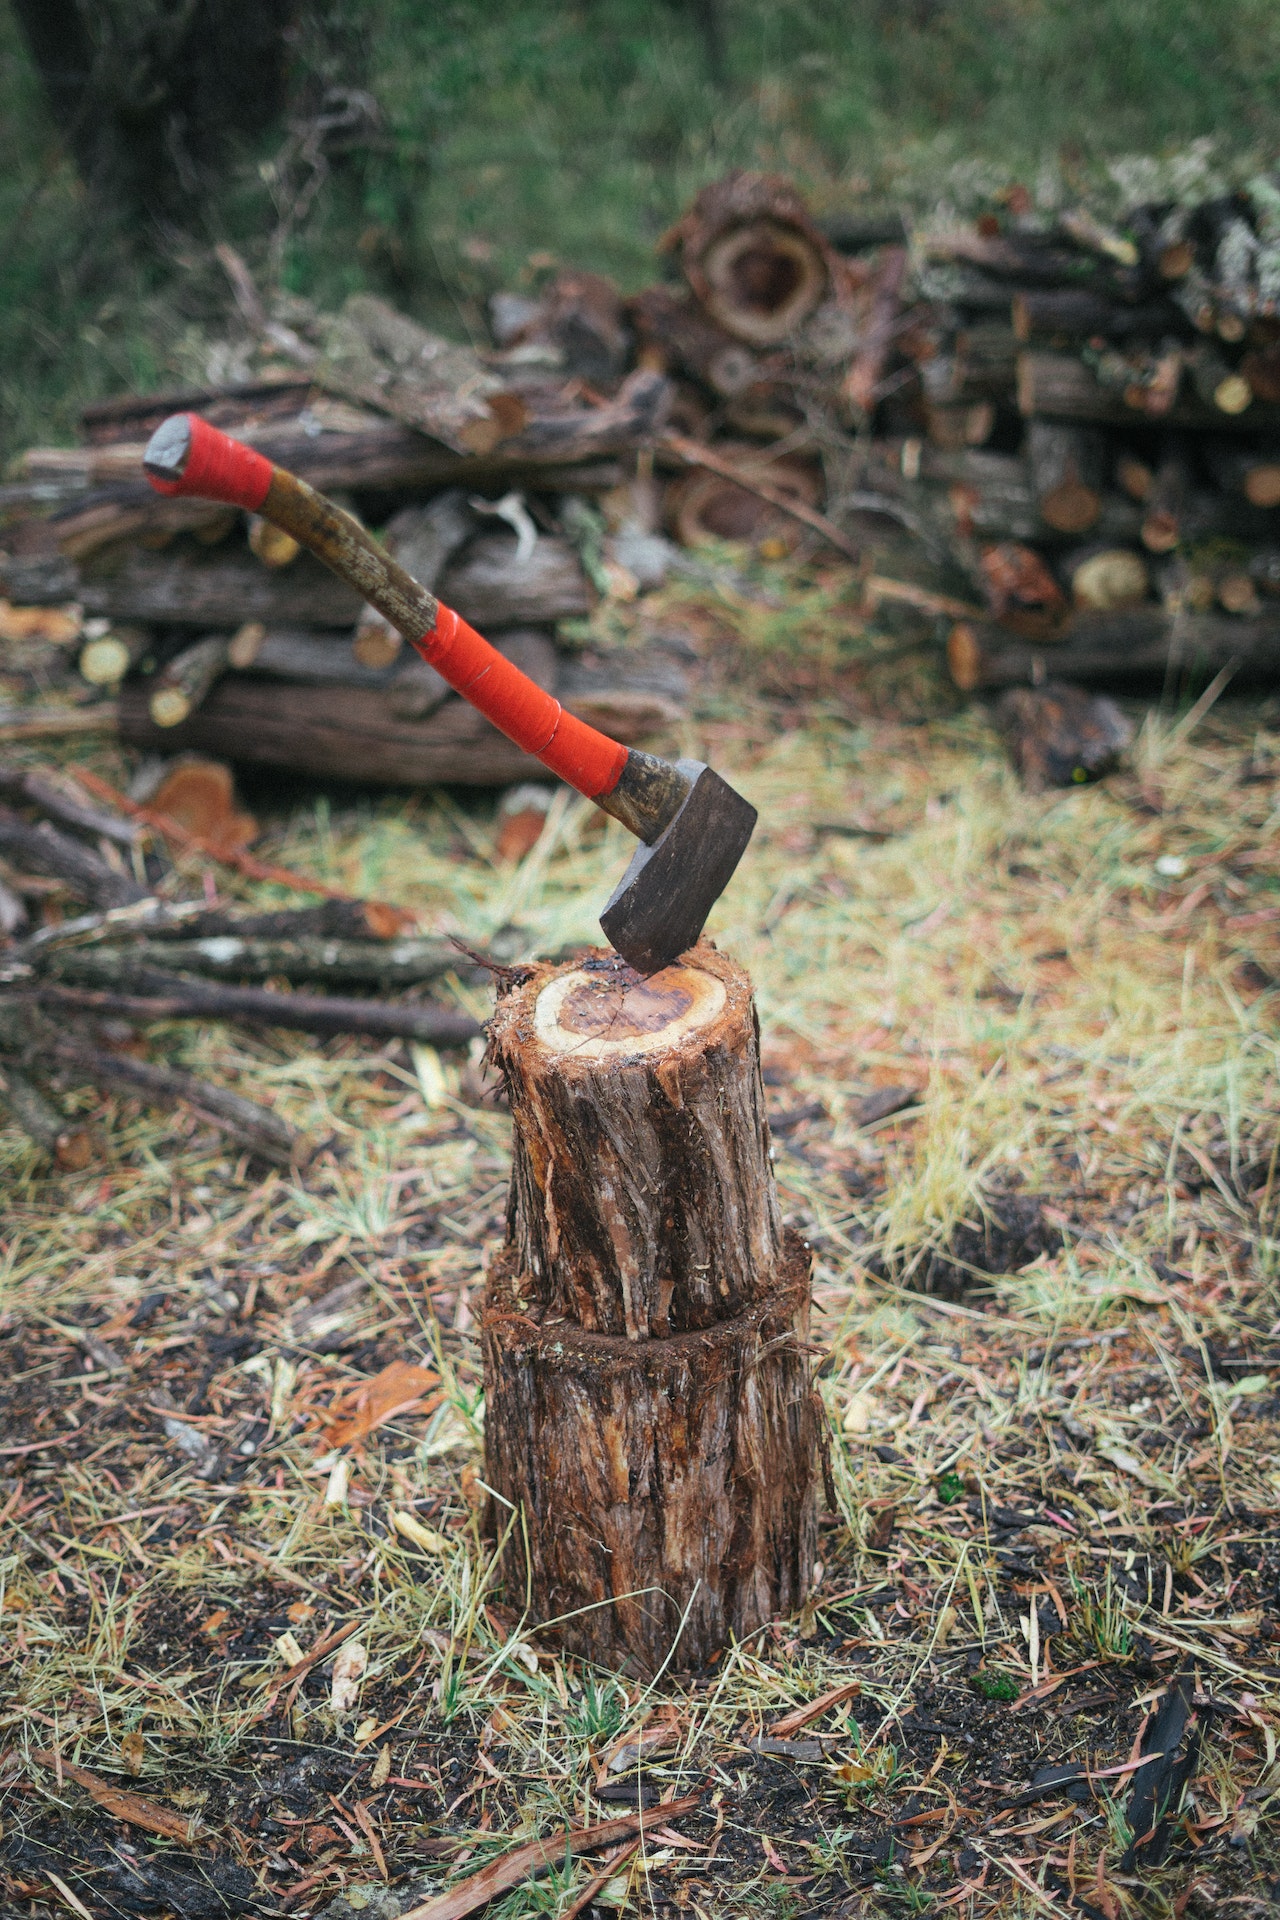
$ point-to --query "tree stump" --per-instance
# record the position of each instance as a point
(647, 1391)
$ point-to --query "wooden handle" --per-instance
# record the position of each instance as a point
(188, 456)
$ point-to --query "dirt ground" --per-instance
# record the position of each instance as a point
(1020, 1054)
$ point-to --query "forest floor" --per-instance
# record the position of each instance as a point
(1045, 1282)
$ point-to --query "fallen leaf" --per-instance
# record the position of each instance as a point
(400, 1387)
(859, 1413)
(131, 1752)
(381, 1769)
(218, 1618)
(130, 1807)
(348, 1670)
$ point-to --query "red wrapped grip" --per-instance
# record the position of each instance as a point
(220, 468)
(534, 719)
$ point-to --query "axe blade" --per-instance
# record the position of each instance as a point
(660, 906)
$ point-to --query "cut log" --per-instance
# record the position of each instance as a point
(1074, 311)
(380, 358)
(106, 658)
(1250, 471)
(181, 686)
(200, 796)
(1061, 736)
(753, 256)
(1057, 386)
(1021, 592)
(187, 586)
(707, 506)
(1133, 648)
(271, 544)
(354, 732)
(1066, 465)
(1107, 579)
(647, 1392)
(675, 335)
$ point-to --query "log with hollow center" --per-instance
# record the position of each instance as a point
(647, 1387)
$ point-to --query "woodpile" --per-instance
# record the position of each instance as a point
(124, 955)
(1078, 422)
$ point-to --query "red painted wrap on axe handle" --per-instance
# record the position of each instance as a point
(534, 719)
(220, 468)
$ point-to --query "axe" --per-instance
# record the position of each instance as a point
(692, 826)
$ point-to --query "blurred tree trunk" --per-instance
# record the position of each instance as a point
(151, 96)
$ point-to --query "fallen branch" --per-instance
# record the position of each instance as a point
(387, 965)
(165, 997)
(522, 1863)
(52, 723)
(255, 1128)
(45, 850)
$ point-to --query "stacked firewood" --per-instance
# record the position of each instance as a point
(118, 952)
(1078, 423)
(1091, 424)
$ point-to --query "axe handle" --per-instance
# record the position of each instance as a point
(188, 456)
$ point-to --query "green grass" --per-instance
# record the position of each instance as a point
(537, 131)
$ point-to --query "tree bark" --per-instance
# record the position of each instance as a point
(647, 1390)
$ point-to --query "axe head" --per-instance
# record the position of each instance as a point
(660, 905)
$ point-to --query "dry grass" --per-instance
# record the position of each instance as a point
(1056, 1470)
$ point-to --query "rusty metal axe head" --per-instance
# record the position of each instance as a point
(660, 905)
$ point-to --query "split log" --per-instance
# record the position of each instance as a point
(378, 357)
(42, 849)
(647, 1391)
(1057, 386)
(1133, 648)
(569, 447)
(145, 994)
(753, 256)
(1060, 736)
(1066, 465)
